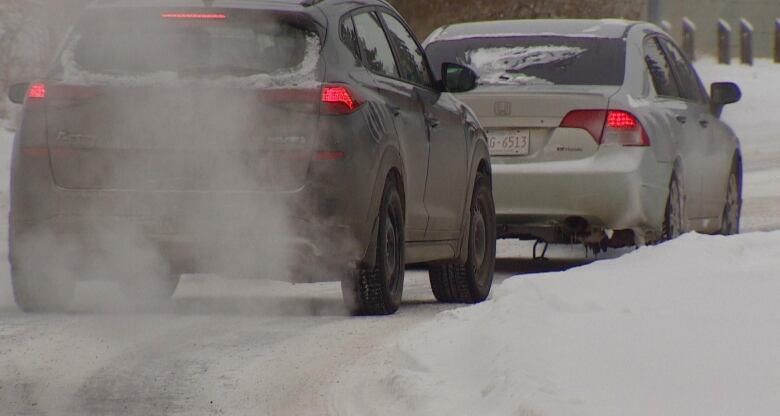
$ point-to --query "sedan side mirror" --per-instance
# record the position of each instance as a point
(458, 78)
(17, 92)
(723, 93)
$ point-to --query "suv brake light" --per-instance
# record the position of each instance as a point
(197, 16)
(331, 99)
(37, 91)
(612, 126)
(339, 99)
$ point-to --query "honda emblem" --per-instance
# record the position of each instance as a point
(503, 109)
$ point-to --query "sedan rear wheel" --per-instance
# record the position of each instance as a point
(674, 220)
(733, 207)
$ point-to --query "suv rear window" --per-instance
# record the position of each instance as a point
(536, 60)
(143, 43)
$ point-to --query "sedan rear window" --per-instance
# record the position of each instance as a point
(536, 60)
(141, 44)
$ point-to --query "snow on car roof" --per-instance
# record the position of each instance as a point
(606, 28)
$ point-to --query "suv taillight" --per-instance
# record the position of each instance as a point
(331, 99)
(608, 127)
(37, 91)
(197, 16)
(339, 99)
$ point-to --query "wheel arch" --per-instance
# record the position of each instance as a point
(390, 165)
(480, 164)
(737, 159)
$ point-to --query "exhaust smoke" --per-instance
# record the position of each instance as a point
(168, 158)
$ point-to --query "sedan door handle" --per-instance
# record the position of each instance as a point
(433, 122)
(396, 110)
(704, 123)
(682, 119)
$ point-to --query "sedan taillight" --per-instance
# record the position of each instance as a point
(608, 127)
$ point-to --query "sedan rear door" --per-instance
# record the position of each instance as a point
(677, 129)
(713, 151)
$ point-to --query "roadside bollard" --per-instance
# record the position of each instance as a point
(689, 38)
(777, 41)
(724, 42)
(746, 41)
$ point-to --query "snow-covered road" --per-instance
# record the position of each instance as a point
(685, 328)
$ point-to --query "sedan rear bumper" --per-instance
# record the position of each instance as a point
(619, 188)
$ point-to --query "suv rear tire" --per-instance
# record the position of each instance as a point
(470, 282)
(378, 290)
(42, 292)
(151, 288)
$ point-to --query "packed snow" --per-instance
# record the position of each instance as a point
(685, 328)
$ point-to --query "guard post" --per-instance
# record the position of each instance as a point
(724, 42)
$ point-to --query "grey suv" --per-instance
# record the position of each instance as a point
(195, 136)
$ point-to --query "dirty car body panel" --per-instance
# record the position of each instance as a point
(193, 151)
(555, 87)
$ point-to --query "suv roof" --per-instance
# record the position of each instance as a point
(238, 4)
(606, 28)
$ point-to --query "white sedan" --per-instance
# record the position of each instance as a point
(601, 132)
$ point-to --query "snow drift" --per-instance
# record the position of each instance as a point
(686, 328)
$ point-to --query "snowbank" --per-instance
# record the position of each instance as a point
(686, 328)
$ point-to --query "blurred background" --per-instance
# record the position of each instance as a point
(30, 30)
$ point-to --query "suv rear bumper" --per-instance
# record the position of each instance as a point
(242, 233)
(619, 188)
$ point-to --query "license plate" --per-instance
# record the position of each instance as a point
(509, 142)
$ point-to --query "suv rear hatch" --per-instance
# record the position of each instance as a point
(165, 99)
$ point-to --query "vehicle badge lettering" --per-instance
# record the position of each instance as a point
(503, 109)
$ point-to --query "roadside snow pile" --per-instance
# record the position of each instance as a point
(685, 328)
